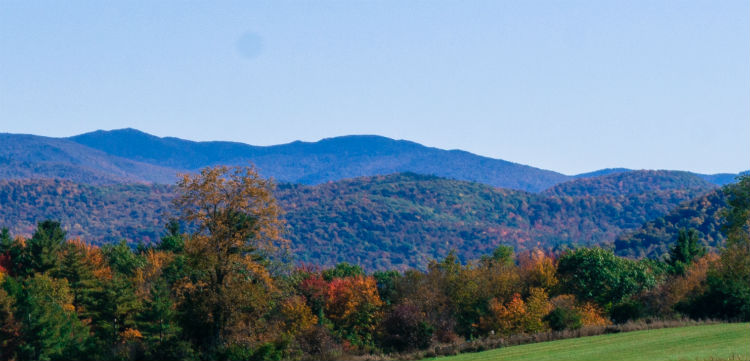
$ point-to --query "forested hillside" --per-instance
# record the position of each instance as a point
(393, 221)
(96, 214)
(629, 183)
(703, 214)
(400, 220)
(34, 157)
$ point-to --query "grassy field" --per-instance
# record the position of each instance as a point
(720, 341)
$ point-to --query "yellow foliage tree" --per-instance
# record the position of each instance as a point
(537, 306)
(297, 315)
(236, 216)
(146, 276)
(592, 315)
(538, 269)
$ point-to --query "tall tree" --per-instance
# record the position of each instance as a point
(686, 250)
(86, 270)
(44, 248)
(50, 328)
(237, 217)
(5, 241)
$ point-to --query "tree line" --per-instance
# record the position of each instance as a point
(227, 290)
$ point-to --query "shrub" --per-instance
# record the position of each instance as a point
(562, 318)
(626, 311)
(319, 344)
(405, 329)
(264, 352)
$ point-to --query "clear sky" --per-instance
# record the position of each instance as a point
(570, 86)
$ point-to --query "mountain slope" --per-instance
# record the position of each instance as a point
(399, 220)
(97, 214)
(31, 156)
(655, 237)
(630, 182)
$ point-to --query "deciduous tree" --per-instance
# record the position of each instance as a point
(236, 217)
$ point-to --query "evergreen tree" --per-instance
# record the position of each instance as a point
(115, 310)
(686, 250)
(83, 266)
(5, 241)
(172, 241)
(50, 328)
(43, 249)
(121, 258)
(157, 322)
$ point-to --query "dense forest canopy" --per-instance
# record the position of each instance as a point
(215, 291)
(394, 221)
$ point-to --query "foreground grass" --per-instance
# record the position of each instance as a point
(721, 341)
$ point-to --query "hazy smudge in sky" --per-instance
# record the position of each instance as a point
(250, 45)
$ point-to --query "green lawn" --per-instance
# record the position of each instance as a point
(683, 343)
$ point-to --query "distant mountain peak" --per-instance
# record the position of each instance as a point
(130, 154)
(328, 159)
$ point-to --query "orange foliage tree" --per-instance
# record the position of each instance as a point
(354, 306)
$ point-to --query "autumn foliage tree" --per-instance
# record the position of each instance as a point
(353, 305)
(237, 218)
(222, 292)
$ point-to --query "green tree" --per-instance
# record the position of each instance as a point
(595, 274)
(83, 266)
(386, 282)
(158, 320)
(50, 328)
(172, 241)
(728, 294)
(115, 310)
(503, 255)
(343, 270)
(122, 259)
(5, 241)
(686, 250)
(42, 251)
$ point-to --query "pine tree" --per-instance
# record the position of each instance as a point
(5, 241)
(42, 251)
(50, 328)
(157, 321)
(686, 250)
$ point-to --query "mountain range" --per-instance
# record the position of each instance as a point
(371, 200)
(132, 156)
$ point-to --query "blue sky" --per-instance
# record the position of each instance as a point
(570, 86)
